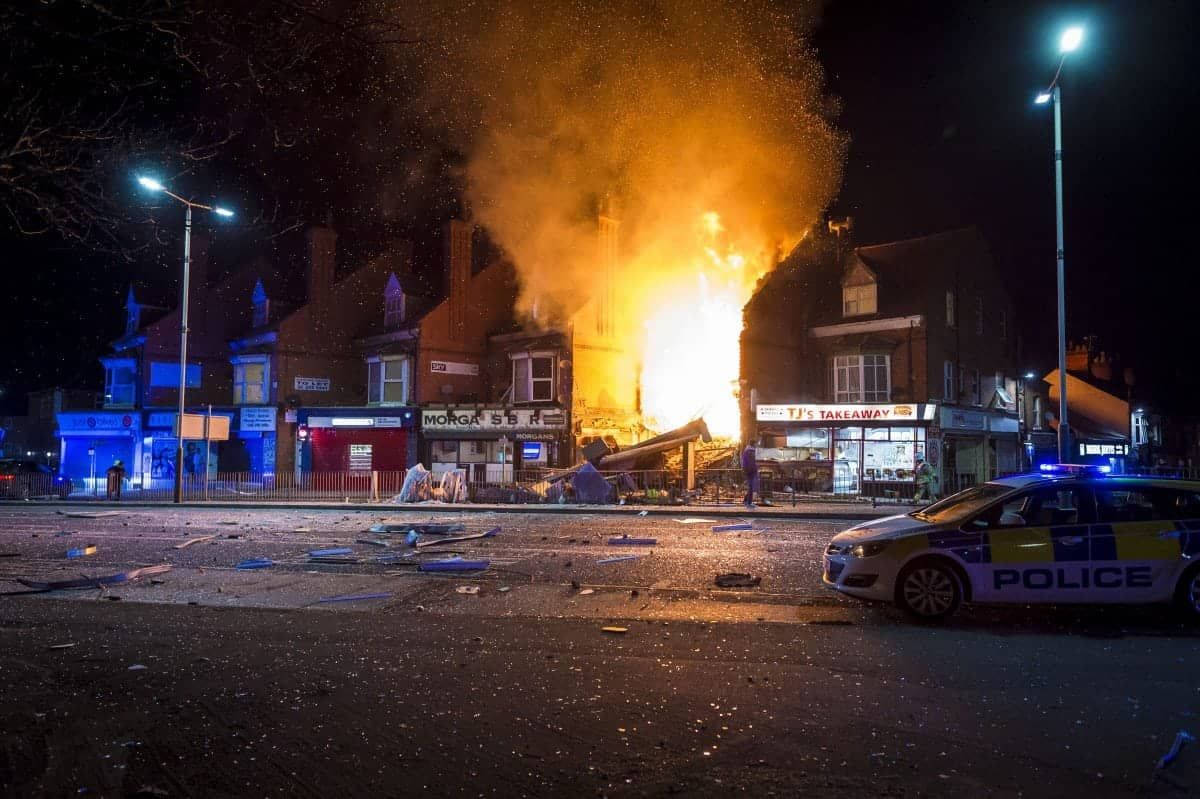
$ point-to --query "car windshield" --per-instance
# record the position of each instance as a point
(961, 505)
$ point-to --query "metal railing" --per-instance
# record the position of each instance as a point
(778, 485)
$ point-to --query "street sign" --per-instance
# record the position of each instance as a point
(193, 427)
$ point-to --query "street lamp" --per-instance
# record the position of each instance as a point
(1069, 42)
(153, 185)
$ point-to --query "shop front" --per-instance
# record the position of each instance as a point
(251, 446)
(493, 442)
(159, 445)
(355, 439)
(845, 449)
(975, 446)
(91, 441)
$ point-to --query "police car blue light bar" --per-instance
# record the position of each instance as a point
(1075, 468)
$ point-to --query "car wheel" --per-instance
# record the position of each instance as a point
(1187, 595)
(928, 589)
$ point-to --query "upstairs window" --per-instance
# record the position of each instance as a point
(1037, 413)
(533, 377)
(976, 388)
(978, 316)
(393, 303)
(387, 381)
(861, 378)
(261, 306)
(120, 382)
(950, 322)
(250, 382)
(859, 300)
(949, 390)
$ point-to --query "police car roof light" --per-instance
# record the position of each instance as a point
(1075, 468)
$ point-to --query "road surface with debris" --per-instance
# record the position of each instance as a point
(207, 680)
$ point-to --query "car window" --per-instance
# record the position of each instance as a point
(960, 506)
(1120, 503)
(1045, 506)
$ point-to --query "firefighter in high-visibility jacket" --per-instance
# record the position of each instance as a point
(924, 476)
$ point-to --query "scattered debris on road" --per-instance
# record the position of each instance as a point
(1182, 737)
(61, 646)
(136, 667)
(200, 539)
(737, 580)
(728, 528)
(504, 589)
(375, 542)
(617, 559)
(692, 520)
(455, 539)
(587, 592)
(10, 554)
(354, 597)
(427, 528)
(100, 514)
(454, 565)
(467, 589)
(626, 541)
(327, 553)
(255, 563)
(94, 582)
(614, 630)
(81, 552)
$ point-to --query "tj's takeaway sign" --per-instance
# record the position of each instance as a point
(911, 412)
(498, 419)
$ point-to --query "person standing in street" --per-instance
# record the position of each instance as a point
(116, 476)
(750, 470)
(924, 478)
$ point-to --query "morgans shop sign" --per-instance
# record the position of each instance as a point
(911, 412)
(494, 418)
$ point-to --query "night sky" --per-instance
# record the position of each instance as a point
(937, 101)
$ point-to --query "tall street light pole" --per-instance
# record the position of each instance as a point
(154, 185)
(1070, 41)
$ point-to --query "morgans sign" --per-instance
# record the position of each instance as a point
(911, 412)
(495, 418)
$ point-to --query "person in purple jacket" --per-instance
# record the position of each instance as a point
(750, 469)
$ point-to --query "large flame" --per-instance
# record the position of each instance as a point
(691, 352)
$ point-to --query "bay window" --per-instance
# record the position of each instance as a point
(387, 381)
(533, 376)
(120, 381)
(862, 378)
(250, 376)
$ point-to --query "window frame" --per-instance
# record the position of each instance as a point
(951, 301)
(111, 367)
(853, 369)
(528, 394)
(377, 384)
(239, 379)
(393, 308)
(948, 382)
(859, 295)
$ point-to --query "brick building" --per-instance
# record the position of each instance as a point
(899, 350)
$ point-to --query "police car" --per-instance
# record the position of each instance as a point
(1069, 534)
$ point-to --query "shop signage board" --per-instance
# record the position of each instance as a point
(98, 422)
(833, 414)
(498, 419)
(453, 368)
(257, 420)
(311, 383)
(360, 421)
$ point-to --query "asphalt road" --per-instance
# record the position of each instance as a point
(252, 686)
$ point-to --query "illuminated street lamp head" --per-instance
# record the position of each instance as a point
(1042, 98)
(1071, 39)
(151, 184)
(1030, 375)
(219, 211)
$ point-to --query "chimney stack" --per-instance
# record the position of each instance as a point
(456, 251)
(322, 249)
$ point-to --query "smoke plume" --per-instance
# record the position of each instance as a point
(671, 110)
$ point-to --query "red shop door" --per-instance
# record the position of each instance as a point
(331, 448)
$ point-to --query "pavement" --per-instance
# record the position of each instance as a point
(210, 681)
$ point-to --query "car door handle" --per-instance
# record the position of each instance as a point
(1072, 540)
(1169, 534)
